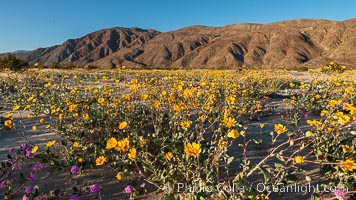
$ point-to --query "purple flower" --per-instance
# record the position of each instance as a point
(29, 154)
(74, 169)
(32, 177)
(340, 193)
(24, 146)
(29, 189)
(15, 167)
(37, 167)
(94, 189)
(12, 150)
(129, 189)
(143, 185)
(3, 184)
(25, 197)
(306, 115)
(73, 197)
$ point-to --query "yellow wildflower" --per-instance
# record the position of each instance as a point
(101, 160)
(132, 154)
(185, 125)
(142, 141)
(323, 112)
(8, 123)
(123, 125)
(101, 100)
(123, 145)
(168, 155)
(75, 144)
(234, 134)
(119, 176)
(192, 149)
(85, 116)
(51, 143)
(299, 159)
(280, 128)
(309, 133)
(144, 97)
(111, 143)
(346, 148)
(16, 107)
(332, 103)
(34, 149)
(8, 115)
(61, 117)
(229, 122)
(349, 164)
(222, 143)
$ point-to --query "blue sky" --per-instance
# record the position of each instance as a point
(29, 24)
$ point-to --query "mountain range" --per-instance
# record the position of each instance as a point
(300, 42)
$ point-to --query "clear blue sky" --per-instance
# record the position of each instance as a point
(29, 24)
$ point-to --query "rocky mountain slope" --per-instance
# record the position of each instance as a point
(301, 42)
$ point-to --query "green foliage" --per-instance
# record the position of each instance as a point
(12, 63)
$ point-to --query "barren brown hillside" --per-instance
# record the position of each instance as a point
(307, 42)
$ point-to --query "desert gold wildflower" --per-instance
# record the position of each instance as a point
(75, 144)
(101, 100)
(123, 125)
(299, 159)
(323, 112)
(234, 134)
(168, 155)
(185, 124)
(132, 154)
(16, 107)
(280, 128)
(34, 149)
(72, 107)
(229, 122)
(346, 148)
(332, 103)
(222, 143)
(119, 176)
(61, 117)
(34, 128)
(123, 145)
(85, 116)
(8, 123)
(309, 133)
(142, 141)
(344, 119)
(51, 143)
(144, 97)
(350, 90)
(231, 100)
(100, 160)
(192, 149)
(111, 143)
(349, 164)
